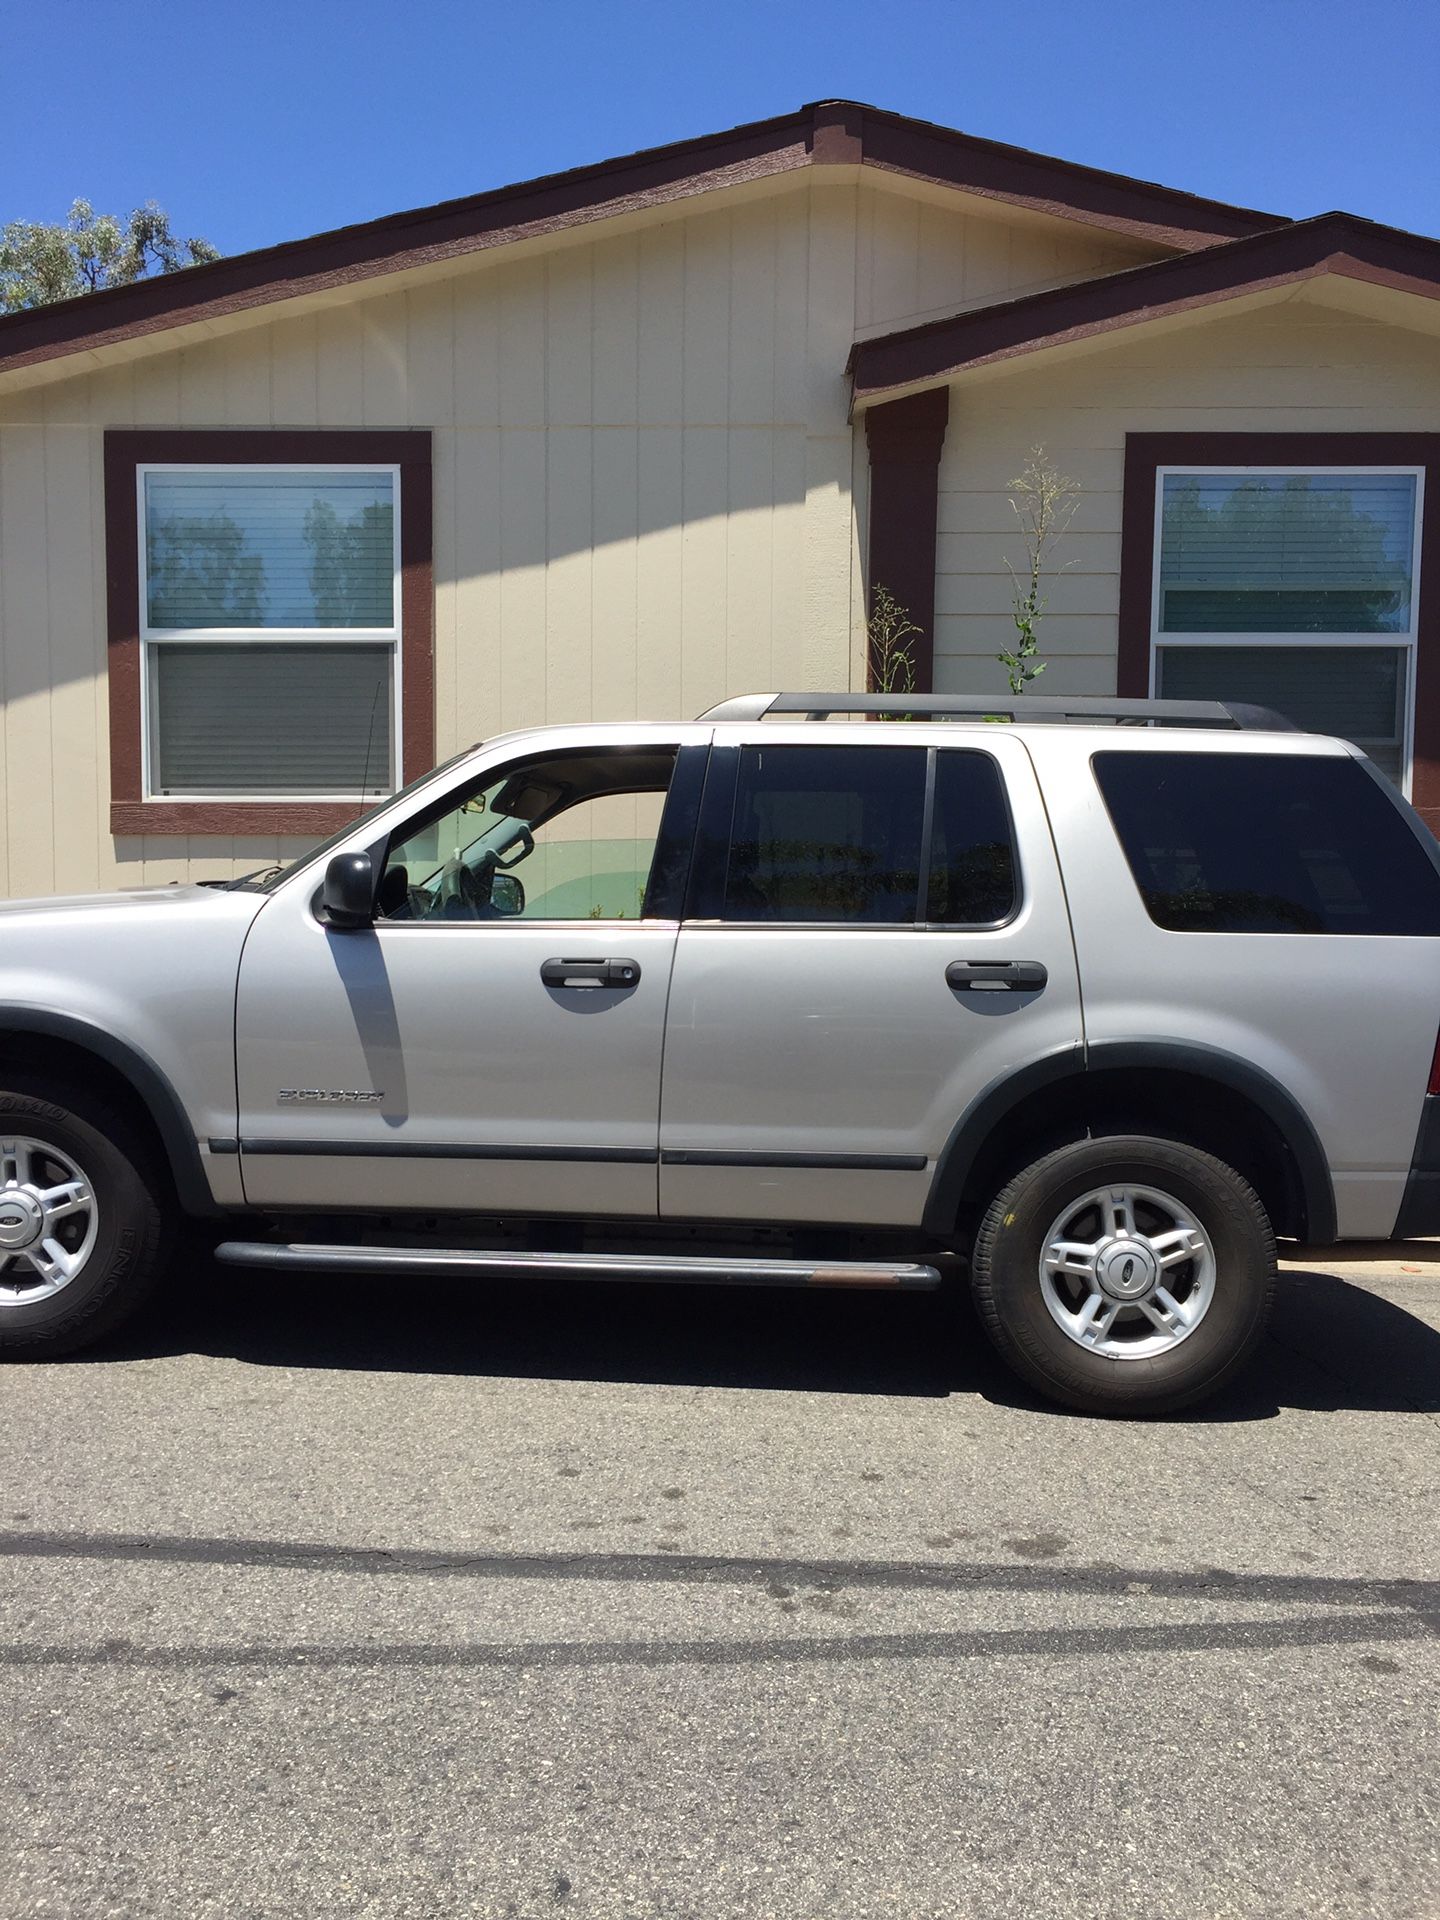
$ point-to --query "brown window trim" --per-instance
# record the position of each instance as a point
(1145, 452)
(130, 811)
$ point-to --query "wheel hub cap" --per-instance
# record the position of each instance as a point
(1127, 1271)
(49, 1221)
(22, 1219)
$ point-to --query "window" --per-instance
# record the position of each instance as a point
(270, 627)
(838, 835)
(1267, 843)
(826, 833)
(569, 838)
(1293, 588)
(270, 616)
(972, 854)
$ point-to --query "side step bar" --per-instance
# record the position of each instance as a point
(697, 1270)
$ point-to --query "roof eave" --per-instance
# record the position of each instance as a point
(1333, 244)
(833, 134)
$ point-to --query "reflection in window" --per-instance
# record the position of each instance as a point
(1293, 591)
(827, 834)
(972, 858)
(1267, 843)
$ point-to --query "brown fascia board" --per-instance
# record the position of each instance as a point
(1139, 208)
(830, 133)
(1337, 243)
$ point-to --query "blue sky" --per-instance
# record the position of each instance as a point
(278, 118)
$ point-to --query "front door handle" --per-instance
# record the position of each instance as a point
(587, 975)
(996, 976)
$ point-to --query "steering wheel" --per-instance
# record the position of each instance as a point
(464, 892)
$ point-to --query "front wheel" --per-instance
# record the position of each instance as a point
(1125, 1275)
(81, 1221)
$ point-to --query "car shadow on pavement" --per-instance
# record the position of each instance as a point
(1332, 1344)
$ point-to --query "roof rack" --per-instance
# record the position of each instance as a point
(1031, 707)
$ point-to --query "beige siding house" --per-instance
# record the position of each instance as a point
(278, 533)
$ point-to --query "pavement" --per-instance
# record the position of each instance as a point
(523, 1600)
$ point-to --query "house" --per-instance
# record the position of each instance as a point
(278, 533)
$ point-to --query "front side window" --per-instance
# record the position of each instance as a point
(1295, 590)
(270, 630)
(1267, 843)
(568, 838)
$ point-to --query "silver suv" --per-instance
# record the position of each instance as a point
(1095, 1002)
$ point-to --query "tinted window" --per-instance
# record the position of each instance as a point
(826, 833)
(972, 856)
(1267, 843)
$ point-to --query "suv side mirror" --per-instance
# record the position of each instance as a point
(347, 899)
(507, 896)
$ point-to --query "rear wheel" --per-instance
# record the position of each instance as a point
(1126, 1275)
(81, 1221)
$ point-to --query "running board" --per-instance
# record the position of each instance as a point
(697, 1270)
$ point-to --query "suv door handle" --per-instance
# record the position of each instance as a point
(996, 976)
(589, 974)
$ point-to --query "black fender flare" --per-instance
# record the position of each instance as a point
(1202, 1062)
(145, 1080)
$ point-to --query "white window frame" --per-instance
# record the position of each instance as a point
(1405, 640)
(151, 637)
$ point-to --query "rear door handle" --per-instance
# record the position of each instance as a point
(996, 976)
(586, 975)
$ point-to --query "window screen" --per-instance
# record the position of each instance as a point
(826, 834)
(270, 719)
(1267, 843)
(972, 854)
(1355, 692)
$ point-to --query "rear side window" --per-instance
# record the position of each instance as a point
(972, 854)
(827, 833)
(1267, 843)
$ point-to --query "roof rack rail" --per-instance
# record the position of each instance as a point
(1044, 708)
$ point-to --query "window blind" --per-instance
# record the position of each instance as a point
(1286, 553)
(269, 549)
(296, 718)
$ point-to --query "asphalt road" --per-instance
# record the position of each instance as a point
(320, 1599)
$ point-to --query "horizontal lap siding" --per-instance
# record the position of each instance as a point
(1298, 367)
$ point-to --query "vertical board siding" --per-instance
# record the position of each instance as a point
(1300, 367)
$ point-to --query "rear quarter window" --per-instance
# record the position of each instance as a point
(1267, 843)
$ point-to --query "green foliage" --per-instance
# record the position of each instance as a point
(87, 252)
(888, 630)
(1043, 502)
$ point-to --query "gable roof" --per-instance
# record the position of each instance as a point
(829, 133)
(1331, 243)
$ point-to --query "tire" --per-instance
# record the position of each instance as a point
(1125, 1312)
(60, 1140)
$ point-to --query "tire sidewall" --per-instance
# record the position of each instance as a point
(1012, 1244)
(126, 1227)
